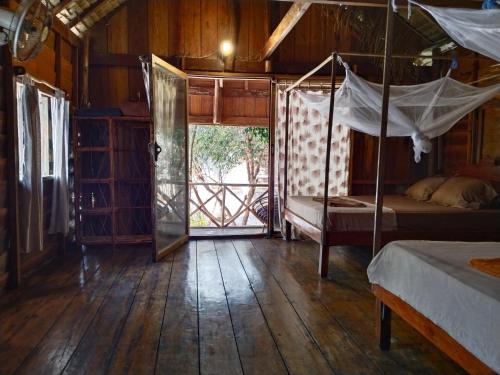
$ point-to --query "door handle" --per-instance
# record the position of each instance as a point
(155, 150)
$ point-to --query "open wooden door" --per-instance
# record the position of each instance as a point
(169, 134)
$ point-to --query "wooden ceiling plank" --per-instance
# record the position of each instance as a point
(59, 7)
(286, 25)
(383, 3)
(86, 12)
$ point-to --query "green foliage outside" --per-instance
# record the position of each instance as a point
(216, 150)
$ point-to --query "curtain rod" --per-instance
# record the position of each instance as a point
(42, 82)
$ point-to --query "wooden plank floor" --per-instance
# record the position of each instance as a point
(214, 307)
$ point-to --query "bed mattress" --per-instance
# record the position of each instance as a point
(435, 278)
(400, 213)
(346, 219)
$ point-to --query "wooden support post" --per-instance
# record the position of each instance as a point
(271, 161)
(383, 316)
(379, 199)
(12, 174)
(288, 226)
(85, 72)
(325, 249)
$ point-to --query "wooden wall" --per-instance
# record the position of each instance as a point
(191, 30)
(57, 64)
(476, 138)
(488, 118)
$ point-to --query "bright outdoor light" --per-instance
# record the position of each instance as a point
(226, 48)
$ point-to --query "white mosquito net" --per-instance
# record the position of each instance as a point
(477, 30)
(421, 112)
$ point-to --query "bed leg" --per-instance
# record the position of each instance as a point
(383, 316)
(324, 256)
(288, 230)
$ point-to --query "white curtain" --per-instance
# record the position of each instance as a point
(421, 112)
(477, 30)
(30, 171)
(59, 219)
(307, 149)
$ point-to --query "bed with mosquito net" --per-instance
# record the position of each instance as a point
(422, 112)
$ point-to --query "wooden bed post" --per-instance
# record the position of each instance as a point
(288, 225)
(383, 317)
(325, 249)
(379, 198)
(383, 312)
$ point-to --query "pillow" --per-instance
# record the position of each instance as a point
(423, 189)
(464, 192)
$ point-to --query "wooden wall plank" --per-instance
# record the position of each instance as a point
(245, 30)
(209, 26)
(259, 30)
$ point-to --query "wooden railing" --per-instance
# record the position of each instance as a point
(223, 204)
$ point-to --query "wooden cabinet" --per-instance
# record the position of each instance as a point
(112, 180)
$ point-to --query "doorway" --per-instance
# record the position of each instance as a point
(229, 144)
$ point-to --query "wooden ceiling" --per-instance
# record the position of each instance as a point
(81, 15)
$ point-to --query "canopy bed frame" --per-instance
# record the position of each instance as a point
(327, 235)
(385, 299)
(326, 238)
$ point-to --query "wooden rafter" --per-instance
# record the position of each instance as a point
(61, 6)
(290, 19)
(383, 3)
(84, 14)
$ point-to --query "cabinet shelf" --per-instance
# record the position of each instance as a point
(112, 183)
(97, 211)
(96, 180)
(92, 149)
(96, 240)
(131, 207)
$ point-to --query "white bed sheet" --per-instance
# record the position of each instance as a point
(436, 279)
(343, 219)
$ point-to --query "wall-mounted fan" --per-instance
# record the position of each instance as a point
(26, 29)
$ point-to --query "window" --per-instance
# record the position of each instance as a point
(45, 137)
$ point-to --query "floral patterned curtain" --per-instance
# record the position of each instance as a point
(307, 150)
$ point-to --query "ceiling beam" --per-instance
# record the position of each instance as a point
(84, 14)
(286, 25)
(383, 3)
(59, 7)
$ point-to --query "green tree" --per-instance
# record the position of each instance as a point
(216, 150)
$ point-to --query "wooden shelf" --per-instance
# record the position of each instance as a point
(121, 151)
(92, 149)
(134, 180)
(96, 180)
(96, 211)
(134, 239)
(96, 240)
(115, 119)
(132, 207)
